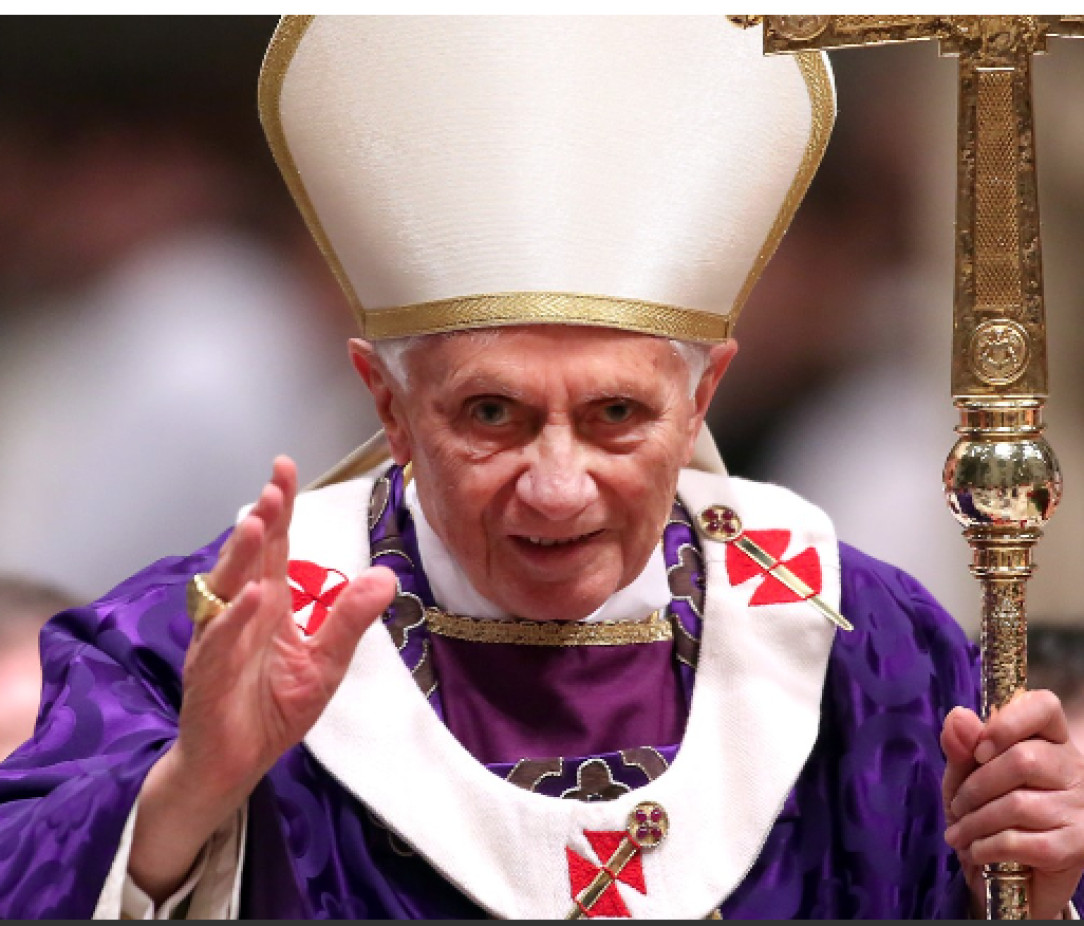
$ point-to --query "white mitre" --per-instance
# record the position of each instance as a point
(633, 172)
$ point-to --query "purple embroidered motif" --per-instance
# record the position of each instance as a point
(393, 543)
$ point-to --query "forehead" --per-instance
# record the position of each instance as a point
(538, 355)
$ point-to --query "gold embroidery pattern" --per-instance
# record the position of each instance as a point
(489, 310)
(276, 62)
(821, 100)
(549, 633)
(378, 501)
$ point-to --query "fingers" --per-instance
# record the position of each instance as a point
(959, 737)
(224, 631)
(1023, 798)
(1029, 714)
(1034, 764)
(1036, 808)
(239, 561)
(258, 545)
(277, 545)
(1023, 745)
(359, 605)
(1045, 851)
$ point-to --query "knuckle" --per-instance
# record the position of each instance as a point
(1025, 761)
(964, 799)
(1048, 853)
(1018, 804)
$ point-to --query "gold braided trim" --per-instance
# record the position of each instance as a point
(280, 52)
(821, 100)
(549, 633)
(533, 308)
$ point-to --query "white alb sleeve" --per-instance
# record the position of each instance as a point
(213, 887)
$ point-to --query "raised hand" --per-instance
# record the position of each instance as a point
(1014, 791)
(252, 687)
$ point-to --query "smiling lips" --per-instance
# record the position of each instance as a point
(557, 541)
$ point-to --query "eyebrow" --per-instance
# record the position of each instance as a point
(485, 383)
(622, 391)
(493, 383)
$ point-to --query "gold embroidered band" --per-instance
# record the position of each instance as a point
(549, 633)
(822, 103)
(533, 308)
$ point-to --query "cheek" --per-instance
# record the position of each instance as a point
(643, 487)
(655, 464)
(464, 494)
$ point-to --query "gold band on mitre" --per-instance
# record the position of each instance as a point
(539, 308)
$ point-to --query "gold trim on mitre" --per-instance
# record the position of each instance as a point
(280, 52)
(495, 309)
(653, 629)
(499, 309)
(818, 83)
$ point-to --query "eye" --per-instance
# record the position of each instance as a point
(491, 412)
(616, 412)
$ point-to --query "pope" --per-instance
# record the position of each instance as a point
(532, 652)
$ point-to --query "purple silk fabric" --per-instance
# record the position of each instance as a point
(110, 699)
(859, 835)
(505, 702)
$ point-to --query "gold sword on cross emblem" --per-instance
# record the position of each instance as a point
(646, 827)
(719, 522)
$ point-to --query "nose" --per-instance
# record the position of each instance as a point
(556, 483)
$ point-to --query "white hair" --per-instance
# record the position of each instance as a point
(392, 353)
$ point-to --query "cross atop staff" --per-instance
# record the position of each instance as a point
(1002, 480)
(999, 330)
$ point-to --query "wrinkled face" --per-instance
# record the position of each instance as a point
(546, 458)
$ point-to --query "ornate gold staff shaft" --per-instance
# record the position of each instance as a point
(1001, 479)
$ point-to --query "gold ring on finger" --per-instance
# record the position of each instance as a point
(203, 605)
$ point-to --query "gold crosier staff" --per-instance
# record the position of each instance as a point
(1001, 479)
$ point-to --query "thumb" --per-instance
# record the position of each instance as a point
(357, 607)
(959, 737)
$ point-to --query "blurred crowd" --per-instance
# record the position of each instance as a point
(167, 326)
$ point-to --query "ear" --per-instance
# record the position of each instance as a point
(719, 359)
(386, 397)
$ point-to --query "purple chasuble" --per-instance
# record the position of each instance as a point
(860, 834)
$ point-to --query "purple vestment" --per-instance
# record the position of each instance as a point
(860, 835)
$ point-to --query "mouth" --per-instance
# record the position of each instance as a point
(555, 543)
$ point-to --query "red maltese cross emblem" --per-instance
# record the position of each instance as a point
(806, 565)
(313, 590)
(620, 854)
(758, 555)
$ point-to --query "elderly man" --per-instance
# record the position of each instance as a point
(548, 660)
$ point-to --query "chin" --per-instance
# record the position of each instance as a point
(556, 605)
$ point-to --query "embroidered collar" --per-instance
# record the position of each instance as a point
(653, 629)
